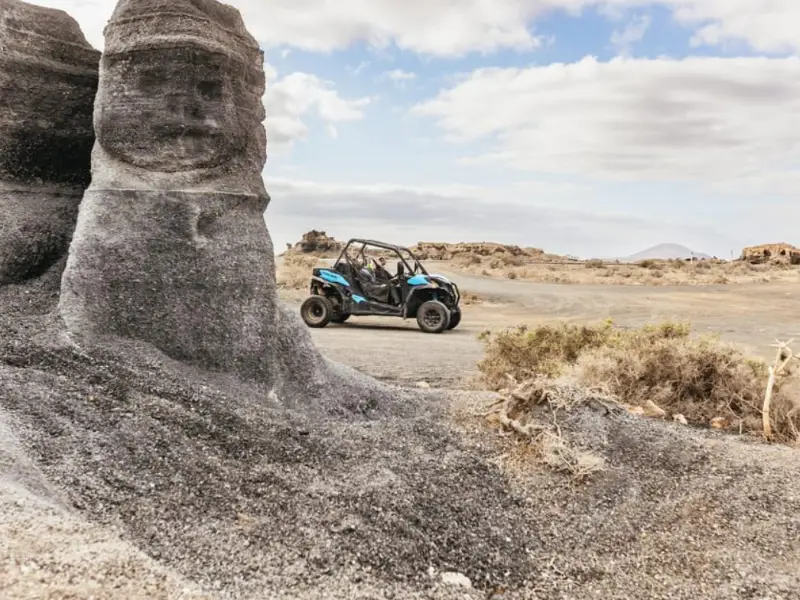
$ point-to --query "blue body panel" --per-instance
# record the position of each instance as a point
(418, 280)
(334, 277)
(359, 299)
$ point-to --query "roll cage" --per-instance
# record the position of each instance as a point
(357, 258)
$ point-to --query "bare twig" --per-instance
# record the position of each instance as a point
(783, 356)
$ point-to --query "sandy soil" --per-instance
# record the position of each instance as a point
(752, 315)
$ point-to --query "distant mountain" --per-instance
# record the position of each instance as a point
(665, 252)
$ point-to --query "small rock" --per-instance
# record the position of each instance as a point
(636, 410)
(423, 385)
(456, 579)
(720, 423)
(680, 419)
(651, 409)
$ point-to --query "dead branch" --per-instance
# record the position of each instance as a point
(783, 356)
(546, 437)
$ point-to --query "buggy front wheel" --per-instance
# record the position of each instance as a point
(433, 317)
(455, 318)
(316, 311)
(340, 317)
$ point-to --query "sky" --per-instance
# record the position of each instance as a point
(593, 128)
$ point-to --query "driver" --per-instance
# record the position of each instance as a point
(380, 275)
(380, 269)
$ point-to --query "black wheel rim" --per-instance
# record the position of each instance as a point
(432, 318)
(316, 312)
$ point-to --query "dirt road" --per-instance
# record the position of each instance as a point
(752, 315)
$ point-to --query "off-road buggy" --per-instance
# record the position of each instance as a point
(358, 284)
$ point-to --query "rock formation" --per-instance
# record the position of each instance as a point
(171, 246)
(317, 242)
(48, 80)
(778, 253)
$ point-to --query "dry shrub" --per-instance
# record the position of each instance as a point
(295, 272)
(467, 260)
(524, 353)
(513, 261)
(677, 264)
(469, 298)
(595, 263)
(701, 378)
(532, 412)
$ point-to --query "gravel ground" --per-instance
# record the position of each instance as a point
(123, 469)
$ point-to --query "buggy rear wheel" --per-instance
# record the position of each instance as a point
(433, 317)
(316, 311)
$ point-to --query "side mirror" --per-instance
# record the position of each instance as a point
(401, 269)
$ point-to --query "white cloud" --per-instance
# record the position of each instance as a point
(291, 98)
(697, 119)
(449, 28)
(634, 32)
(400, 75)
(767, 25)
(358, 68)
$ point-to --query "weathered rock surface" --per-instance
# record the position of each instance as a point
(48, 80)
(171, 246)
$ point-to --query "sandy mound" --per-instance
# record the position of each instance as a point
(214, 482)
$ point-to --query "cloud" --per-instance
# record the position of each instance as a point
(698, 119)
(408, 214)
(435, 27)
(400, 75)
(290, 99)
(634, 32)
(765, 26)
(447, 29)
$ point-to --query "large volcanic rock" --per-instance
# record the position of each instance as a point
(171, 247)
(48, 79)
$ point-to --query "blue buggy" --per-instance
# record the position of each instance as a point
(358, 284)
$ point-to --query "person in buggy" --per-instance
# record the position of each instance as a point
(379, 281)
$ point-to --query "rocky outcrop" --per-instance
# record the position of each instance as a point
(445, 251)
(48, 80)
(171, 246)
(778, 253)
(318, 243)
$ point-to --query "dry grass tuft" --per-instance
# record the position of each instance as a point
(701, 379)
(295, 272)
(469, 298)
